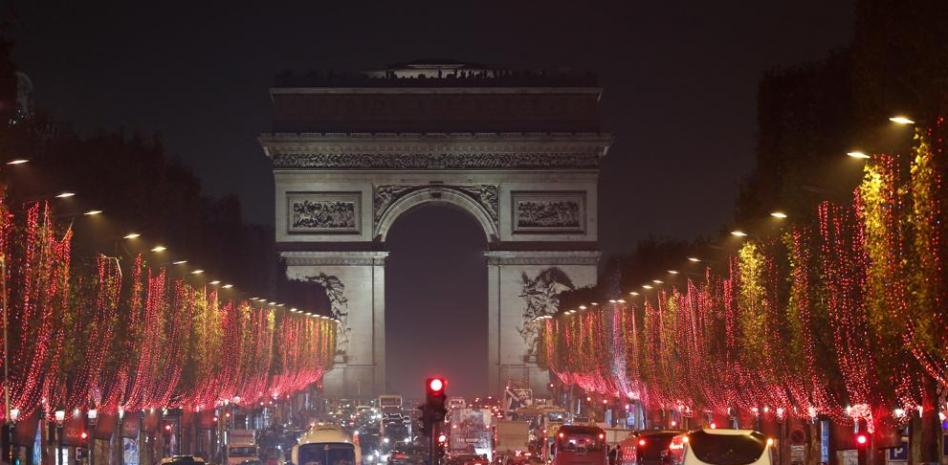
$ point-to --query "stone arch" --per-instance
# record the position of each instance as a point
(437, 194)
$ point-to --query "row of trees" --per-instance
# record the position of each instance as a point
(129, 334)
(843, 313)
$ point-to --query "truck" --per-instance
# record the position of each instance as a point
(470, 432)
(241, 446)
(512, 438)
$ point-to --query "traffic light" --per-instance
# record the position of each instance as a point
(432, 411)
(435, 398)
(862, 439)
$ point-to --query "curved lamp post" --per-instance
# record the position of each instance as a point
(60, 417)
(92, 416)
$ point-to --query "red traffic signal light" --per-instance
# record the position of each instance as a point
(442, 439)
(84, 435)
(435, 386)
(168, 427)
(862, 439)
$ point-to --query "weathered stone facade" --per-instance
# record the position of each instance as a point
(533, 193)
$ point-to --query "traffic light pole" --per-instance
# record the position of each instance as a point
(432, 443)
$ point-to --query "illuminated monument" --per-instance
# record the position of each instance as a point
(518, 151)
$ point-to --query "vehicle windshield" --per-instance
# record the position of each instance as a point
(248, 451)
(727, 449)
(327, 454)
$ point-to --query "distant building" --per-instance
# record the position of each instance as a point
(24, 98)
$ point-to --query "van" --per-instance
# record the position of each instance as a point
(580, 445)
(326, 445)
(721, 447)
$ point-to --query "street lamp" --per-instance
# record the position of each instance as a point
(901, 119)
(60, 416)
(92, 415)
(6, 358)
(13, 415)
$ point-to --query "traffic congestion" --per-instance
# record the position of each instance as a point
(514, 429)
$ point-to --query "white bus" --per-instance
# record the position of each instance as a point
(325, 445)
(390, 403)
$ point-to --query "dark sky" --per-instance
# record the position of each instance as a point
(680, 83)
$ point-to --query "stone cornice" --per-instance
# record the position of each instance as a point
(334, 258)
(435, 90)
(430, 143)
(436, 151)
(543, 257)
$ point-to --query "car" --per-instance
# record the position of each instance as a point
(647, 448)
(580, 445)
(711, 446)
(182, 460)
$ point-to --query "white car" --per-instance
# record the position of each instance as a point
(721, 447)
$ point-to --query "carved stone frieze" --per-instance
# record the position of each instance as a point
(437, 161)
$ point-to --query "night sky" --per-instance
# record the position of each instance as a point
(680, 83)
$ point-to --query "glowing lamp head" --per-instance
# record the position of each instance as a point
(862, 439)
(14, 414)
(60, 416)
(642, 442)
(713, 425)
(84, 435)
(770, 441)
(167, 427)
(901, 119)
(92, 414)
(435, 385)
(442, 439)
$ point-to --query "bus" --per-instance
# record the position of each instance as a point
(580, 444)
(390, 403)
(326, 445)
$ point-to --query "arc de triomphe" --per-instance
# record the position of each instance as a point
(519, 151)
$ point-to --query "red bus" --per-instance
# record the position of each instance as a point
(580, 445)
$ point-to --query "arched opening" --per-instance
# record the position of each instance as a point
(436, 299)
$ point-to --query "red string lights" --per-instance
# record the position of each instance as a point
(844, 316)
(129, 336)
